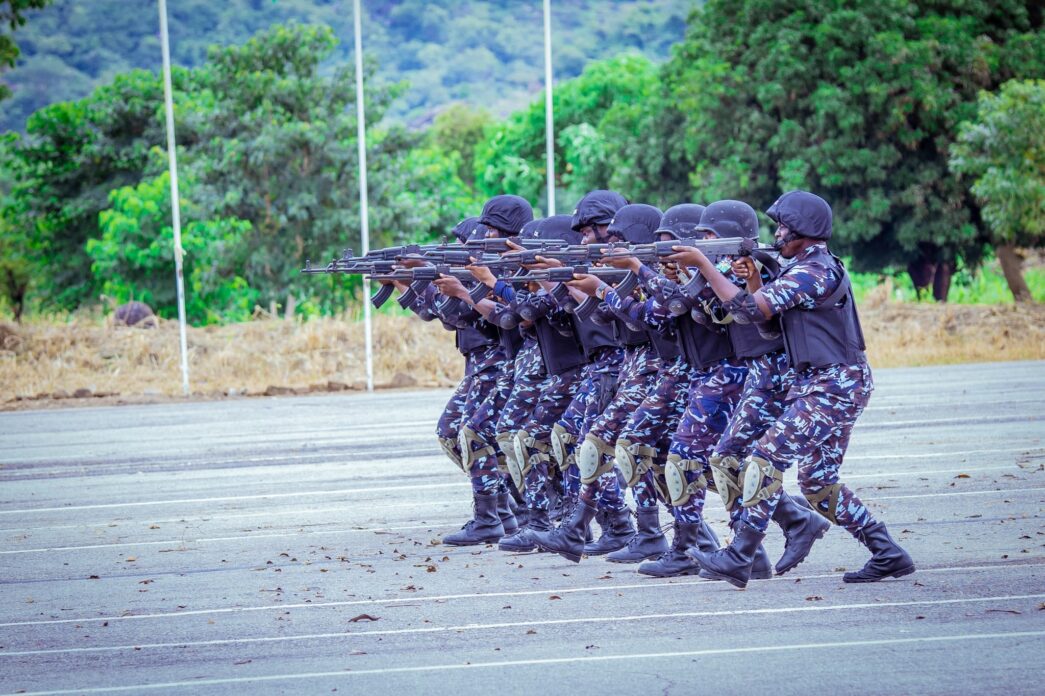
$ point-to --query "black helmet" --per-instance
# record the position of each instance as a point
(507, 213)
(465, 229)
(559, 227)
(530, 229)
(680, 221)
(803, 213)
(597, 208)
(636, 223)
(729, 219)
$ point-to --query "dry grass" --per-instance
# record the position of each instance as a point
(39, 360)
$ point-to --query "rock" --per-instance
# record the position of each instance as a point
(83, 393)
(401, 380)
(137, 314)
(60, 394)
(358, 385)
(337, 386)
(300, 390)
(317, 387)
(273, 390)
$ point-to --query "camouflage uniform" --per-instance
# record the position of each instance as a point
(638, 372)
(820, 408)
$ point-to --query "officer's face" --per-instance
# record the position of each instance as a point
(788, 243)
(593, 234)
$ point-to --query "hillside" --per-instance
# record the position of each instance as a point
(488, 54)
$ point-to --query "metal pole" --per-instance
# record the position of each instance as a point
(549, 129)
(172, 160)
(364, 214)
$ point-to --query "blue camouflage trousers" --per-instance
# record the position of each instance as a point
(487, 380)
(647, 434)
(713, 395)
(638, 372)
(813, 432)
(595, 389)
(557, 392)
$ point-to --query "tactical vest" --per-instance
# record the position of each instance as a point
(559, 352)
(667, 347)
(749, 343)
(627, 337)
(702, 345)
(593, 336)
(511, 341)
(473, 338)
(829, 333)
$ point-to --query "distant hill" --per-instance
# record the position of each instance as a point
(489, 54)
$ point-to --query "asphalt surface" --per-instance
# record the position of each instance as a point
(290, 545)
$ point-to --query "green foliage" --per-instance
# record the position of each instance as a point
(12, 13)
(265, 135)
(134, 257)
(858, 101)
(1003, 152)
(984, 285)
(589, 110)
(488, 54)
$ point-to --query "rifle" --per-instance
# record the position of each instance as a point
(624, 282)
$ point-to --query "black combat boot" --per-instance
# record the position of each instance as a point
(522, 541)
(887, 560)
(650, 541)
(674, 561)
(761, 566)
(484, 528)
(733, 563)
(568, 539)
(617, 531)
(801, 526)
(506, 511)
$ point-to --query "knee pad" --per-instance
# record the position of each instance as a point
(506, 458)
(449, 447)
(467, 439)
(725, 471)
(680, 490)
(561, 440)
(633, 460)
(831, 493)
(757, 469)
(594, 458)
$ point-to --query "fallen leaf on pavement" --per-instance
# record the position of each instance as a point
(363, 617)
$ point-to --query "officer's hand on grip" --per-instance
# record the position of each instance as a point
(585, 283)
(483, 274)
(690, 257)
(620, 258)
(451, 287)
(744, 268)
(542, 263)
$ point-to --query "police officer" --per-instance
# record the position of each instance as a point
(813, 299)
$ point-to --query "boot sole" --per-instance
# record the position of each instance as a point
(494, 540)
(691, 571)
(651, 557)
(797, 563)
(732, 581)
(895, 574)
(568, 556)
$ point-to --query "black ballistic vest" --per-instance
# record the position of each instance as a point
(749, 343)
(593, 336)
(473, 338)
(703, 345)
(830, 333)
(560, 353)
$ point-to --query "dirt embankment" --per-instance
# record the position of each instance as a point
(91, 362)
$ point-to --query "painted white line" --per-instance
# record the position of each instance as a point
(1008, 491)
(435, 525)
(233, 498)
(446, 485)
(630, 657)
(673, 583)
(894, 405)
(928, 455)
(807, 608)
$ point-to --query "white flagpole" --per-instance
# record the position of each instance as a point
(549, 129)
(363, 208)
(175, 201)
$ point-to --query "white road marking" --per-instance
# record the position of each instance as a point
(645, 585)
(806, 608)
(630, 657)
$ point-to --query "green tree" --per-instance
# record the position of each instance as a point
(1003, 151)
(134, 257)
(12, 13)
(857, 101)
(602, 103)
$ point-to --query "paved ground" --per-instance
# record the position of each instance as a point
(290, 546)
